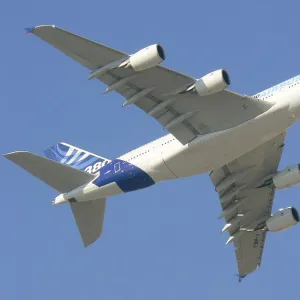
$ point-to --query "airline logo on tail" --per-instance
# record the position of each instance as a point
(76, 157)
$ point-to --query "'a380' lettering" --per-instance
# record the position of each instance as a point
(95, 168)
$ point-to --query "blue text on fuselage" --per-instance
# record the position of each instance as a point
(277, 87)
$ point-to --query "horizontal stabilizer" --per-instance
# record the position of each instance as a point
(61, 177)
(89, 218)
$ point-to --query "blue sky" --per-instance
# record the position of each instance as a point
(159, 243)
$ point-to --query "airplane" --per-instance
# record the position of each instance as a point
(237, 139)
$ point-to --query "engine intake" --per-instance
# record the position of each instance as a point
(212, 83)
(283, 219)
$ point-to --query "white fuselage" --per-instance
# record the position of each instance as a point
(166, 158)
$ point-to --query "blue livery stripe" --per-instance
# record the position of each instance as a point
(126, 175)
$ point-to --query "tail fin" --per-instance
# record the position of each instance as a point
(88, 215)
(61, 177)
(76, 157)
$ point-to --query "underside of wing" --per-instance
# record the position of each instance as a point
(162, 93)
(246, 203)
(88, 53)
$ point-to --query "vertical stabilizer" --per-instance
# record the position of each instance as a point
(76, 157)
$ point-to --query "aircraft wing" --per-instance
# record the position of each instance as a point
(184, 115)
(246, 197)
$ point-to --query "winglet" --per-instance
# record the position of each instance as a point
(29, 30)
(240, 277)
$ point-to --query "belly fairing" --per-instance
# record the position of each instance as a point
(216, 149)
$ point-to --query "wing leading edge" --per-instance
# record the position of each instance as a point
(244, 205)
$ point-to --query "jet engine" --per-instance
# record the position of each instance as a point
(146, 58)
(283, 219)
(288, 177)
(212, 83)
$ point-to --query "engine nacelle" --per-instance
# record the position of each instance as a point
(212, 83)
(283, 219)
(288, 177)
(147, 58)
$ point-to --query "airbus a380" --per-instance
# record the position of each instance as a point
(237, 139)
